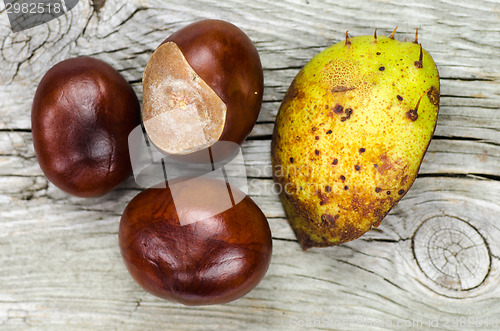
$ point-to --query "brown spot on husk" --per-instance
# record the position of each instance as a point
(322, 197)
(433, 95)
(339, 88)
(404, 179)
(387, 164)
(347, 116)
(329, 220)
(412, 114)
(338, 109)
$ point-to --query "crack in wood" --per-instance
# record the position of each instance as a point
(135, 81)
(284, 239)
(471, 139)
(116, 50)
(457, 96)
(468, 79)
(283, 68)
(16, 130)
(260, 137)
(473, 176)
(127, 19)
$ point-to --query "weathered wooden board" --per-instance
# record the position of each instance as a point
(432, 264)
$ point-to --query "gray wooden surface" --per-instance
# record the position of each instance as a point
(432, 264)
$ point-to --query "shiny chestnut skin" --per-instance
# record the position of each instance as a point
(82, 113)
(206, 261)
(224, 58)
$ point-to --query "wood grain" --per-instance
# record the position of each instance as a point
(60, 267)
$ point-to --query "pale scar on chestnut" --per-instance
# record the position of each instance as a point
(181, 113)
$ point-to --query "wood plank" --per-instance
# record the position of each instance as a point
(60, 267)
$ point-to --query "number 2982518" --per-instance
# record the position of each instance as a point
(48, 7)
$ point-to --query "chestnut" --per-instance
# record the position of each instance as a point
(82, 114)
(202, 85)
(197, 242)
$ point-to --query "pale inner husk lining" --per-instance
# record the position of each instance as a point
(181, 113)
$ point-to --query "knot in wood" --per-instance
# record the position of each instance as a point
(451, 253)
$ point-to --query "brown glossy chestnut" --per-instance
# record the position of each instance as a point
(202, 85)
(183, 244)
(82, 113)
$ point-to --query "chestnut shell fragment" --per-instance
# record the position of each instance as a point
(82, 114)
(209, 260)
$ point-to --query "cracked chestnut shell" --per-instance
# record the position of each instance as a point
(82, 113)
(202, 85)
(189, 252)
